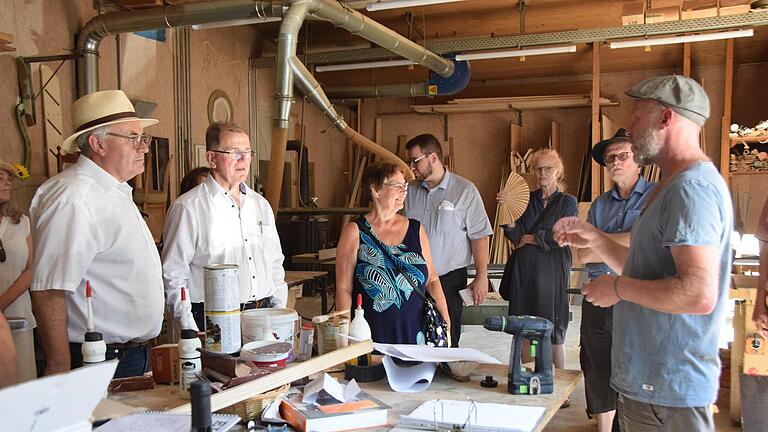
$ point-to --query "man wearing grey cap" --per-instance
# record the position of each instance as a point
(671, 293)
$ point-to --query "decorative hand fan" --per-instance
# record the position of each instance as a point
(517, 194)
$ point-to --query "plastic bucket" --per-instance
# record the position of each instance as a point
(284, 324)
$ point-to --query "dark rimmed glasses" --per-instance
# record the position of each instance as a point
(619, 156)
(236, 155)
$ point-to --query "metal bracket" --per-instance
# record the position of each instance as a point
(26, 86)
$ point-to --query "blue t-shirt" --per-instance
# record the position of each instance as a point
(611, 213)
(672, 359)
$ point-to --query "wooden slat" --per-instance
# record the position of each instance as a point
(6, 38)
(687, 59)
(607, 130)
(595, 116)
(281, 377)
(52, 120)
(725, 140)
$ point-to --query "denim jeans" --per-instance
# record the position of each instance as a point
(133, 361)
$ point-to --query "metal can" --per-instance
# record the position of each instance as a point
(222, 308)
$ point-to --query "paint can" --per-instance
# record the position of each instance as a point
(222, 308)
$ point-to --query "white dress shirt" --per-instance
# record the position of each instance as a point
(14, 237)
(87, 227)
(204, 226)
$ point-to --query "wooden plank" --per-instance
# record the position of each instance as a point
(687, 59)
(402, 152)
(596, 190)
(54, 125)
(284, 376)
(378, 135)
(607, 129)
(6, 38)
(554, 136)
(725, 140)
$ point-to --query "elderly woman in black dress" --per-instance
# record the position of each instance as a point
(538, 276)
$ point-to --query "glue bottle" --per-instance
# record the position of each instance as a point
(93, 348)
(360, 330)
(189, 356)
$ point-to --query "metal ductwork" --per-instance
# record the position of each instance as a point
(308, 85)
(187, 14)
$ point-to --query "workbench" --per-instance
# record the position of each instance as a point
(164, 397)
(311, 279)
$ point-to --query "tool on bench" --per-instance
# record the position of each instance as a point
(538, 331)
(94, 348)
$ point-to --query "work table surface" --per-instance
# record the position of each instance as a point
(164, 397)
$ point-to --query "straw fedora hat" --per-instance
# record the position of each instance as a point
(100, 109)
(8, 167)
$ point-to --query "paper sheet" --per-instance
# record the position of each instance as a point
(409, 379)
(338, 391)
(481, 416)
(429, 354)
(466, 297)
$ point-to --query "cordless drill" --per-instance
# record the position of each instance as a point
(539, 332)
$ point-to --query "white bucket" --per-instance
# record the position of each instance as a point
(284, 324)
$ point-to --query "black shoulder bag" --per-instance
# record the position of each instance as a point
(434, 327)
(505, 286)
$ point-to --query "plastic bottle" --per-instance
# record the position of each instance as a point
(360, 330)
(94, 348)
(189, 356)
(306, 340)
(266, 331)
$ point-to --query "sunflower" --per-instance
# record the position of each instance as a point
(22, 170)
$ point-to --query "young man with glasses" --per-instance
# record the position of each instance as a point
(613, 212)
(452, 212)
(223, 221)
(86, 227)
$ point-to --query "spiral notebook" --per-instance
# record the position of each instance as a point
(154, 421)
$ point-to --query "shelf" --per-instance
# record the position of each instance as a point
(749, 140)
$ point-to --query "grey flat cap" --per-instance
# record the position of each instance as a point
(684, 95)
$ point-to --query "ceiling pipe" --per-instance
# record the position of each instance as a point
(187, 14)
(309, 86)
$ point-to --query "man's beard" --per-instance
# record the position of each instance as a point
(424, 174)
(646, 147)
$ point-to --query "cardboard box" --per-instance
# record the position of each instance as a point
(165, 363)
(693, 9)
(665, 14)
(633, 13)
(734, 7)
(656, 4)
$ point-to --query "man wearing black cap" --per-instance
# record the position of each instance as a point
(670, 297)
(613, 212)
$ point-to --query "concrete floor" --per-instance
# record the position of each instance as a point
(571, 419)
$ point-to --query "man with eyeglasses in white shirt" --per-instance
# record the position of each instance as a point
(223, 221)
(86, 227)
(452, 212)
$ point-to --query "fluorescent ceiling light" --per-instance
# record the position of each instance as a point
(235, 22)
(394, 4)
(682, 39)
(368, 65)
(517, 53)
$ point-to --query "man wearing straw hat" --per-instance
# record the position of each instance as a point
(613, 212)
(86, 227)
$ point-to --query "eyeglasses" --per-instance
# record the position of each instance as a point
(2, 252)
(236, 155)
(544, 170)
(413, 162)
(620, 156)
(402, 187)
(134, 139)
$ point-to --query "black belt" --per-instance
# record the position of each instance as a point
(126, 345)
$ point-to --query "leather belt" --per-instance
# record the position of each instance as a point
(126, 345)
